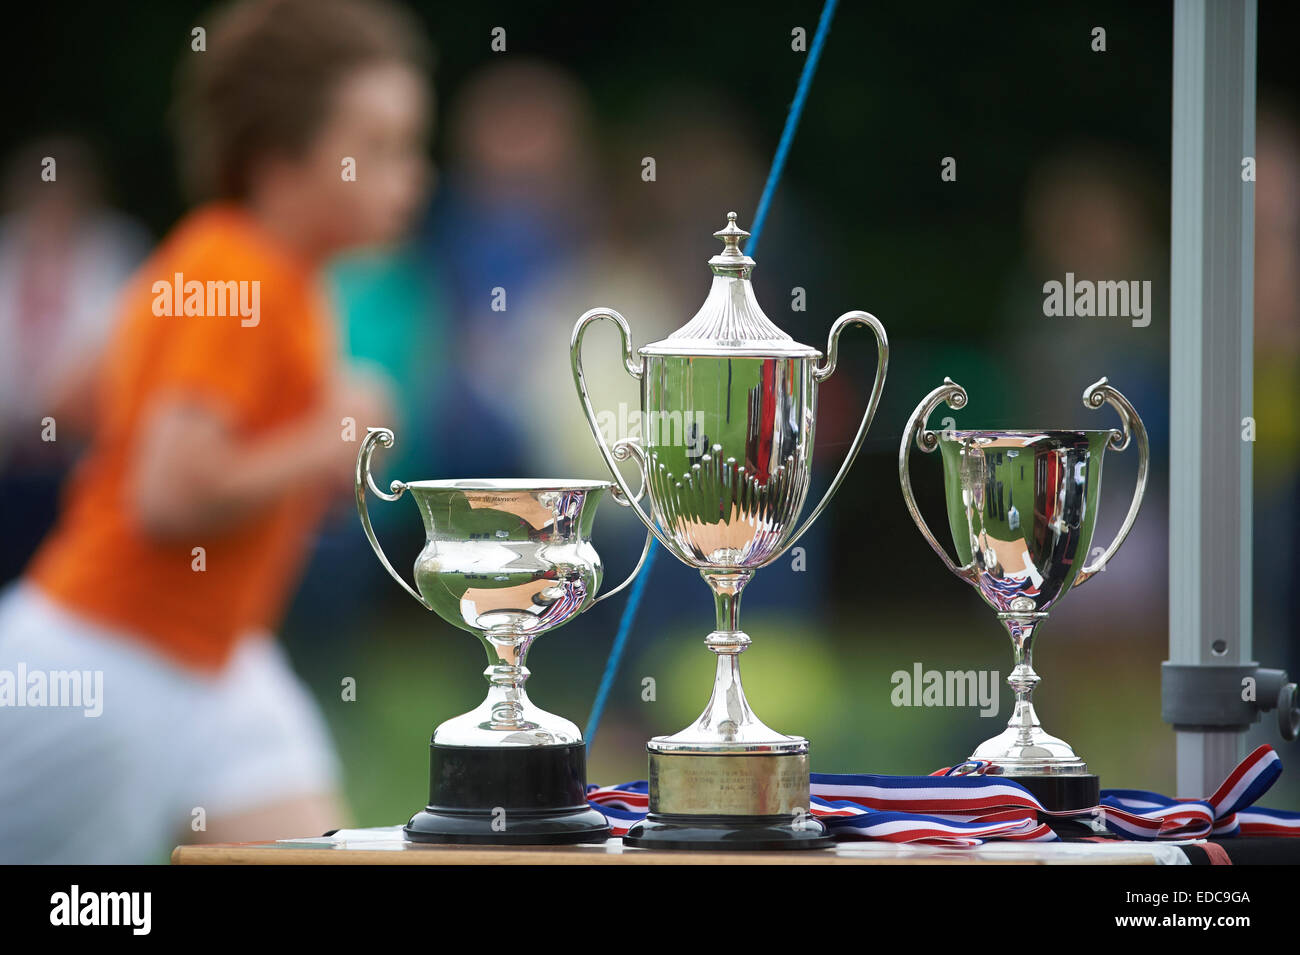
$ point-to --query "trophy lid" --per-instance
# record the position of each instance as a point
(730, 322)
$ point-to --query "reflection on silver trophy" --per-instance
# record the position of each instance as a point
(506, 560)
(1022, 506)
(727, 502)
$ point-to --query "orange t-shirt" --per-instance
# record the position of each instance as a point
(261, 365)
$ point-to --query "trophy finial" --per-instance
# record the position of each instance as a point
(731, 235)
(731, 260)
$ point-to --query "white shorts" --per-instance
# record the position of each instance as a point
(126, 783)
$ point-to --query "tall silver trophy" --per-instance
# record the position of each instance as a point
(1022, 506)
(505, 560)
(729, 407)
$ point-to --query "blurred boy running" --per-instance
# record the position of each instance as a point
(225, 422)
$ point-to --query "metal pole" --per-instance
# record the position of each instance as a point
(1212, 311)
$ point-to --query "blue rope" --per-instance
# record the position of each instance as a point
(769, 189)
(620, 640)
(791, 123)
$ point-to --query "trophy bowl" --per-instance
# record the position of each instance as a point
(1022, 507)
(505, 560)
(729, 408)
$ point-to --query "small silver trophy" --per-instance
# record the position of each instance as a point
(729, 406)
(1022, 506)
(506, 560)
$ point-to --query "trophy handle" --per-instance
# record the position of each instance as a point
(364, 477)
(626, 447)
(955, 396)
(1096, 395)
(645, 552)
(821, 373)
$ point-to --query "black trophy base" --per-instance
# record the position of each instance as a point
(1062, 793)
(510, 796)
(480, 828)
(728, 833)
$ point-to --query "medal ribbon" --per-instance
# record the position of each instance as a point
(960, 806)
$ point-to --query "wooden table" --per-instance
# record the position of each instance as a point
(385, 846)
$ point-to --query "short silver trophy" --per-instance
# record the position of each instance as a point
(507, 561)
(729, 409)
(1022, 506)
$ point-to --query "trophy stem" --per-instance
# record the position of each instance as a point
(727, 587)
(1023, 679)
(728, 725)
(1043, 764)
(506, 676)
(727, 641)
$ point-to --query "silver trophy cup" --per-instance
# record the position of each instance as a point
(1022, 506)
(729, 408)
(505, 560)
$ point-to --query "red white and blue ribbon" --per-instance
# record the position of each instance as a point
(960, 806)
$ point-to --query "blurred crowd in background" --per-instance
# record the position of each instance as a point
(1062, 159)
